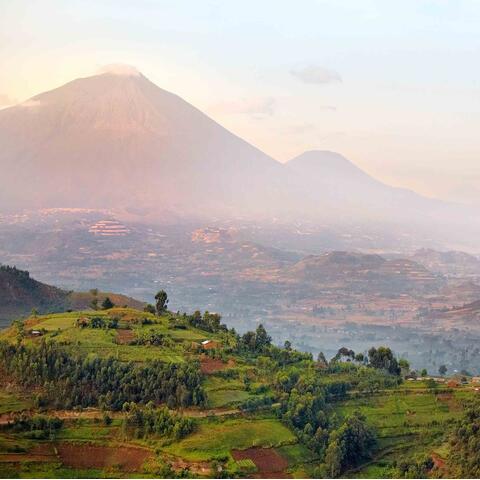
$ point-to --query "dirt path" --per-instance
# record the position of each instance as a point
(216, 412)
(92, 413)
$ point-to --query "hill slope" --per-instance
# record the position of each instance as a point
(236, 404)
(364, 272)
(20, 293)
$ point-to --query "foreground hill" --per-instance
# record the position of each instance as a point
(123, 392)
(20, 294)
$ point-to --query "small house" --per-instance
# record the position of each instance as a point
(210, 344)
(36, 333)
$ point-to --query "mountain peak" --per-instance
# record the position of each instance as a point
(320, 157)
(119, 69)
(326, 162)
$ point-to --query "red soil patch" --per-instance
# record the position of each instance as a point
(438, 461)
(129, 459)
(269, 463)
(450, 401)
(43, 449)
(124, 337)
(212, 365)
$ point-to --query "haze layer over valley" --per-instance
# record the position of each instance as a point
(113, 183)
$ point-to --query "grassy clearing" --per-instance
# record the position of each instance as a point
(13, 444)
(216, 439)
(225, 398)
(87, 433)
(224, 392)
(296, 454)
(10, 402)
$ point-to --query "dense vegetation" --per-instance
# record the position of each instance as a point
(148, 421)
(71, 380)
(37, 427)
(465, 452)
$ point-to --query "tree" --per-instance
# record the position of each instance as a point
(321, 360)
(383, 359)
(464, 454)
(333, 459)
(442, 370)
(162, 300)
(149, 308)
(107, 420)
(262, 339)
(352, 442)
(342, 353)
(404, 366)
(20, 331)
(431, 385)
(287, 345)
(424, 372)
(359, 357)
(107, 304)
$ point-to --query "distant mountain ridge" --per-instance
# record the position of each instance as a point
(116, 140)
(366, 272)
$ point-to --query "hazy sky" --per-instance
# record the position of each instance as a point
(392, 85)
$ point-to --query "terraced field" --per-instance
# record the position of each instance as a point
(410, 421)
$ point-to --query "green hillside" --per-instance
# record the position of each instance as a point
(124, 392)
(20, 294)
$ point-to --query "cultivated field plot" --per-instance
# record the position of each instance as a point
(217, 439)
(407, 423)
(127, 459)
(268, 462)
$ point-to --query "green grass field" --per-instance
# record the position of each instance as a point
(216, 439)
(226, 398)
(12, 402)
(225, 392)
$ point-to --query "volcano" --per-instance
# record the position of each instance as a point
(117, 140)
